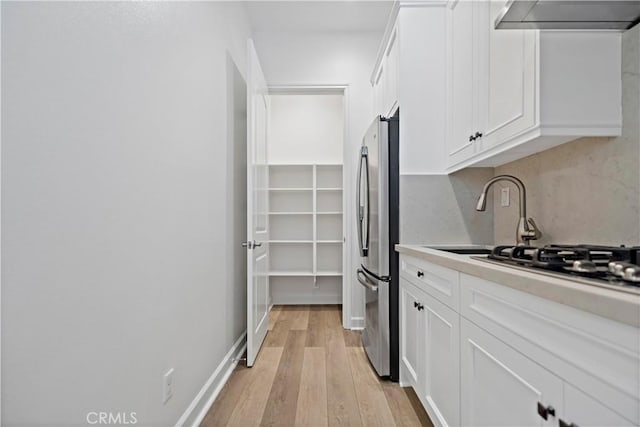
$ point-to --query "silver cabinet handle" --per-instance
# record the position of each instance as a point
(364, 281)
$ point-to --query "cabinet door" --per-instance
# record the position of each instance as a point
(507, 78)
(460, 81)
(441, 363)
(391, 75)
(585, 411)
(410, 327)
(501, 387)
(378, 91)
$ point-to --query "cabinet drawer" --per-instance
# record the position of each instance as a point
(439, 282)
(597, 355)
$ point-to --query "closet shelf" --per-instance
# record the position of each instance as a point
(290, 213)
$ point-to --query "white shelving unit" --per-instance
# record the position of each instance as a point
(306, 221)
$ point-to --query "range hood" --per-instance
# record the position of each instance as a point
(569, 14)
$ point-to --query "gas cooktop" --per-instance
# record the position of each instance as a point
(592, 264)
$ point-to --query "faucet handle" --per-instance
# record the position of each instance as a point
(534, 231)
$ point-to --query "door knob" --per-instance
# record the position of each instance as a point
(257, 244)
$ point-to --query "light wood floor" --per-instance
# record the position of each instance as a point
(311, 372)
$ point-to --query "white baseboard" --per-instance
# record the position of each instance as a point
(293, 299)
(357, 323)
(199, 407)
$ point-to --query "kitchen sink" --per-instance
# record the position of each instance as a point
(463, 250)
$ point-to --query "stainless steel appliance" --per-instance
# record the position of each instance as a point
(377, 216)
(569, 14)
(616, 266)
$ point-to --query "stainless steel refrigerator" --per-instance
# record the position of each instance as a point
(377, 216)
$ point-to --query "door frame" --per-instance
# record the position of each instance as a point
(348, 193)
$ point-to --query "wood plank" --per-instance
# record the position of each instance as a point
(282, 402)
(312, 399)
(401, 407)
(316, 328)
(352, 338)
(333, 319)
(342, 404)
(232, 392)
(290, 392)
(250, 408)
(372, 402)
(274, 314)
(417, 407)
(277, 337)
(300, 318)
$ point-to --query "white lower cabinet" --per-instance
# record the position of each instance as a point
(410, 343)
(582, 410)
(441, 388)
(501, 387)
(509, 358)
(430, 353)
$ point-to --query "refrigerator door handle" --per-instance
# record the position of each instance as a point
(364, 281)
(362, 209)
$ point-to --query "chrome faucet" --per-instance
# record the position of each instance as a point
(527, 229)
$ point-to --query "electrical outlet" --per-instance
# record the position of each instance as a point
(504, 197)
(167, 386)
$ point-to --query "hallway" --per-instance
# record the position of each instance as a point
(311, 372)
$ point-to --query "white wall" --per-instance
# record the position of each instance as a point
(115, 265)
(306, 128)
(331, 59)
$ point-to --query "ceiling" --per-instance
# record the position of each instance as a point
(319, 16)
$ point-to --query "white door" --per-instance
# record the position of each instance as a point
(257, 207)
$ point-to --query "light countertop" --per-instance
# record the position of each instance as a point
(621, 304)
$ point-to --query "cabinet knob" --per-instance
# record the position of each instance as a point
(471, 138)
(477, 135)
(416, 304)
(563, 423)
(545, 411)
(420, 273)
(420, 307)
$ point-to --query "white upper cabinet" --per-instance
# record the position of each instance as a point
(391, 80)
(506, 79)
(460, 82)
(410, 75)
(512, 93)
(385, 82)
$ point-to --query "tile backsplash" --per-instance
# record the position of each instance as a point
(440, 209)
(588, 190)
